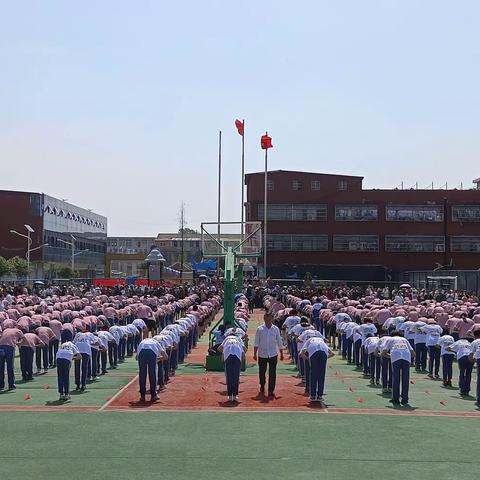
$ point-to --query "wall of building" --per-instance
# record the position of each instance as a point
(323, 220)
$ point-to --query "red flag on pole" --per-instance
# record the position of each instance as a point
(266, 142)
(240, 127)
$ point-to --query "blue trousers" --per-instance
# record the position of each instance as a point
(344, 345)
(349, 348)
(447, 366)
(318, 366)
(41, 356)
(147, 364)
(122, 348)
(113, 354)
(375, 367)
(130, 345)
(26, 362)
(357, 349)
(232, 373)
(465, 377)
(7, 355)
(386, 373)
(181, 350)
(63, 376)
(307, 373)
(103, 361)
(81, 370)
(420, 356)
(365, 361)
(400, 380)
(93, 364)
(52, 352)
(433, 360)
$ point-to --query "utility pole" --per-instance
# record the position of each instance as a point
(182, 222)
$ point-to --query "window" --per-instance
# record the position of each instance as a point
(315, 185)
(296, 243)
(466, 213)
(297, 185)
(356, 213)
(411, 243)
(465, 244)
(270, 185)
(296, 213)
(342, 185)
(355, 243)
(414, 213)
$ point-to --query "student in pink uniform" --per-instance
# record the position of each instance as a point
(9, 339)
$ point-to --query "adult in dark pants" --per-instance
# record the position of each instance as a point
(385, 365)
(401, 354)
(268, 343)
(317, 352)
(26, 350)
(149, 352)
(67, 352)
(9, 339)
(233, 350)
(447, 359)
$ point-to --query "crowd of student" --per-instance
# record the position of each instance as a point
(382, 337)
(97, 332)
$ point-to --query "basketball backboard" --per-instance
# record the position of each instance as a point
(245, 239)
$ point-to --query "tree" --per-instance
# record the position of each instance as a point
(186, 230)
(5, 267)
(65, 272)
(18, 266)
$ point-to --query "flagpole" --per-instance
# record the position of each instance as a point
(219, 191)
(243, 176)
(265, 215)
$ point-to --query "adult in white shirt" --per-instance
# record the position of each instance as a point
(106, 338)
(386, 366)
(316, 351)
(370, 348)
(400, 352)
(233, 351)
(268, 343)
(83, 342)
(462, 349)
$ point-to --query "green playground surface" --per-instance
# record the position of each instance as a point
(187, 445)
(39, 440)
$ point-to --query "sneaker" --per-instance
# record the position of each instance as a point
(430, 375)
(39, 371)
(142, 399)
(13, 387)
(68, 397)
(313, 399)
(45, 370)
(155, 398)
(394, 402)
(235, 398)
(377, 382)
(62, 398)
(404, 402)
(372, 382)
(321, 401)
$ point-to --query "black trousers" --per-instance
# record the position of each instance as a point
(272, 372)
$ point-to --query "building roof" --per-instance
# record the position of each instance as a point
(304, 173)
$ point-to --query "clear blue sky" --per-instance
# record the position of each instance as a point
(116, 105)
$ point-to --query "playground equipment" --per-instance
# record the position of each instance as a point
(232, 242)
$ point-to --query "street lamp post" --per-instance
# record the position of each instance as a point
(30, 230)
(73, 254)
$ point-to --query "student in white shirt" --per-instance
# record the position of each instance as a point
(420, 338)
(462, 349)
(447, 358)
(149, 352)
(401, 353)
(475, 358)
(370, 347)
(292, 320)
(386, 366)
(367, 328)
(67, 352)
(233, 350)
(433, 332)
(317, 353)
(268, 343)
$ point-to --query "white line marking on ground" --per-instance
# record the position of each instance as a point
(105, 405)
